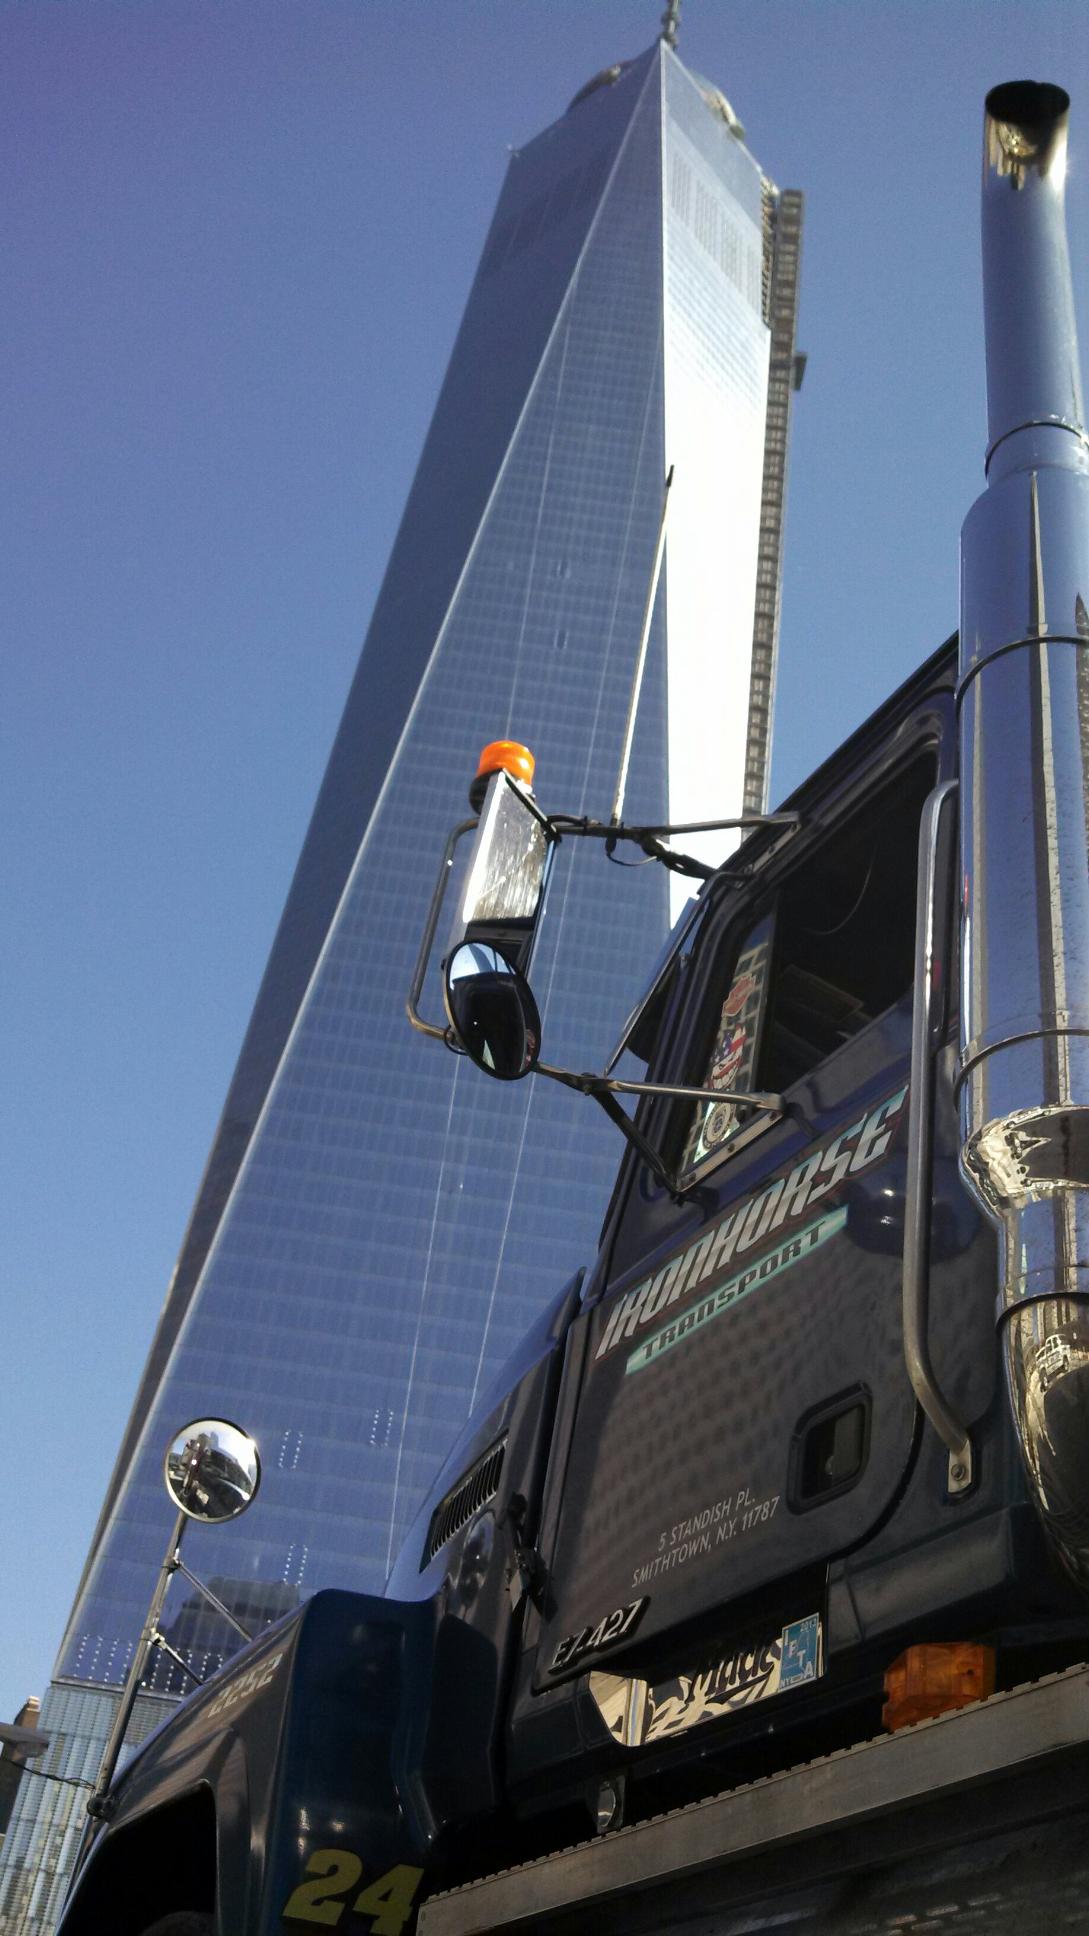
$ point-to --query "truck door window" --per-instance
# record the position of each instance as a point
(845, 944)
(833, 952)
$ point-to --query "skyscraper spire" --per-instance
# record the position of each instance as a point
(670, 22)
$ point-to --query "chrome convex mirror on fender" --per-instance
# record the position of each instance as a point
(492, 1011)
(212, 1470)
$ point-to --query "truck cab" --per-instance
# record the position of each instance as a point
(745, 1515)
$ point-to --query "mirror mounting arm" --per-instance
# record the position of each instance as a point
(100, 1803)
(696, 870)
(649, 838)
(603, 1089)
(624, 1124)
(216, 1602)
(589, 1085)
(159, 1640)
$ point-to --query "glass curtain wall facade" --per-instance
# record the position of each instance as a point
(379, 1224)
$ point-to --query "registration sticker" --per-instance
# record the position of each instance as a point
(801, 1659)
(636, 1712)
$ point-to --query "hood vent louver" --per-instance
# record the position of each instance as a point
(458, 1506)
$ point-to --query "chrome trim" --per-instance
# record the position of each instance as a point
(789, 819)
(1024, 741)
(928, 1009)
(594, 1085)
(430, 928)
(1028, 299)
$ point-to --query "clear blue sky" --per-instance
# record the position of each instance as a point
(238, 235)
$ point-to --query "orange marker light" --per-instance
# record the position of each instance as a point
(935, 1678)
(505, 755)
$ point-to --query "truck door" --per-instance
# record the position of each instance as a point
(744, 1413)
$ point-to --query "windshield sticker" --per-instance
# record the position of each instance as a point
(756, 1273)
(702, 1268)
(732, 1063)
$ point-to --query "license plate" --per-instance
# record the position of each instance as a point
(636, 1712)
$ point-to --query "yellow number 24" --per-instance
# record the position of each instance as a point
(333, 1873)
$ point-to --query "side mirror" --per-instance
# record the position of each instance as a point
(489, 1003)
(507, 874)
(491, 1013)
(491, 1010)
(212, 1470)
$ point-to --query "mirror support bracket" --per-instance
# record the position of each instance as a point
(212, 1598)
(649, 838)
(160, 1640)
(604, 1089)
(99, 1804)
(412, 1005)
(602, 1093)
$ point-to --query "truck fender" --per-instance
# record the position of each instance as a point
(276, 1797)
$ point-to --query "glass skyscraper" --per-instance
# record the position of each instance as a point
(378, 1224)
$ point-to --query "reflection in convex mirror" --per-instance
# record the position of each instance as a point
(212, 1470)
(491, 1010)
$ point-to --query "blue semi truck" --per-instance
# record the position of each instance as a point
(756, 1594)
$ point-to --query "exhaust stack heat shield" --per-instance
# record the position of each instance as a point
(1024, 743)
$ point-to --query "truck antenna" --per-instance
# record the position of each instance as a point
(644, 641)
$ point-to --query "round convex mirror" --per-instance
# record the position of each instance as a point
(492, 1011)
(212, 1470)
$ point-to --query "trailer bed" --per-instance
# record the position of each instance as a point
(976, 1821)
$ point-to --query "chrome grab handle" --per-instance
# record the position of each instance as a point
(927, 1008)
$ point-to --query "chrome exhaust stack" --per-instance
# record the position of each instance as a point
(1024, 744)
